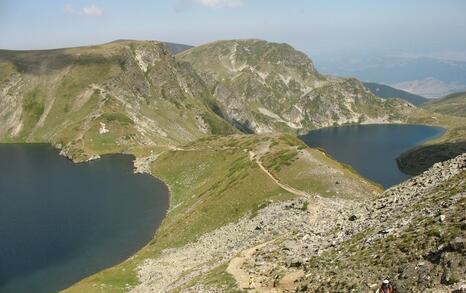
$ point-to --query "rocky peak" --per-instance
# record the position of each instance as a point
(266, 87)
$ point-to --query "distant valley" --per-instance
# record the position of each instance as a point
(388, 92)
(425, 76)
(430, 87)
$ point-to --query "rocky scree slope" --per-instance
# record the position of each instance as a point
(264, 87)
(107, 98)
(413, 234)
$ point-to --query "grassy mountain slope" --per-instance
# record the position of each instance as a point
(123, 95)
(412, 234)
(264, 87)
(229, 192)
(216, 181)
(107, 98)
(454, 104)
(388, 92)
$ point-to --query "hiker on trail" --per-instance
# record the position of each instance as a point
(251, 282)
(386, 287)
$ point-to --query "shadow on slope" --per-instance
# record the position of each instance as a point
(46, 61)
(422, 158)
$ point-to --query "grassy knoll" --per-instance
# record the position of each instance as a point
(312, 170)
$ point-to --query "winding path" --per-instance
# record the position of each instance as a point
(242, 277)
(286, 187)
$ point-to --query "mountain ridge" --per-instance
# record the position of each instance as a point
(452, 104)
(388, 92)
(288, 92)
(124, 94)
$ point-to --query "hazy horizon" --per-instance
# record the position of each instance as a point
(341, 37)
(335, 28)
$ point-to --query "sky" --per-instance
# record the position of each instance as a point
(317, 27)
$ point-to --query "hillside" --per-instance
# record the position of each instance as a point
(378, 239)
(228, 194)
(124, 95)
(388, 92)
(454, 104)
(177, 48)
(99, 99)
(311, 226)
(265, 87)
(416, 238)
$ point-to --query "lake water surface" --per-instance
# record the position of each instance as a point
(372, 149)
(61, 222)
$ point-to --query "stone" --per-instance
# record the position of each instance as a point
(458, 244)
(442, 218)
(353, 217)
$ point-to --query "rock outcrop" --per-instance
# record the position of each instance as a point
(126, 94)
(264, 87)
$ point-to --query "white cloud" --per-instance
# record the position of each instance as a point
(93, 10)
(182, 5)
(68, 9)
(220, 3)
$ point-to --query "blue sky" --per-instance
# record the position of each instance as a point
(318, 27)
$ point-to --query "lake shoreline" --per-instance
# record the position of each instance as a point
(135, 169)
(161, 195)
(372, 149)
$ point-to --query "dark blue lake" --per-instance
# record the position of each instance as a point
(61, 222)
(372, 149)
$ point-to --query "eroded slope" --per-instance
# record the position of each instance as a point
(108, 98)
(264, 87)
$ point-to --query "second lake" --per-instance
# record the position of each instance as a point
(372, 149)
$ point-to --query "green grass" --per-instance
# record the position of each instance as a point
(217, 125)
(313, 171)
(118, 117)
(7, 69)
(280, 159)
(223, 187)
(212, 185)
(33, 108)
(209, 188)
(217, 278)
